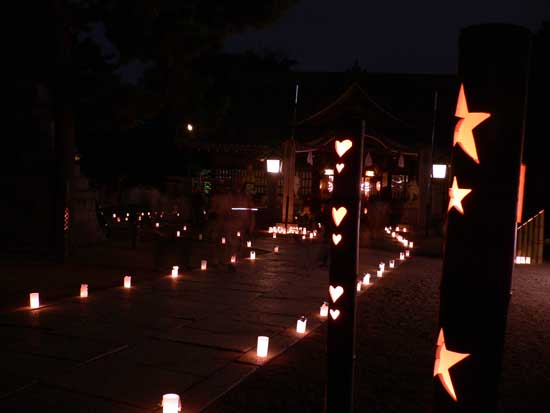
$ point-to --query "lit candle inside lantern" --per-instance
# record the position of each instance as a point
(114, 215)
(223, 240)
(411, 244)
(393, 234)
(252, 255)
(359, 286)
(301, 325)
(233, 259)
(366, 279)
(379, 273)
(203, 265)
(157, 225)
(263, 345)
(382, 266)
(185, 227)
(178, 234)
(527, 260)
(175, 270)
(248, 244)
(392, 264)
(200, 237)
(127, 281)
(401, 256)
(34, 299)
(324, 310)
(84, 290)
(276, 249)
(171, 403)
(238, 233)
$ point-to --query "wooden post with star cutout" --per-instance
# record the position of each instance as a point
(481, 217)
(344, 239)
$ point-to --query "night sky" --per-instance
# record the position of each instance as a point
(385, 35)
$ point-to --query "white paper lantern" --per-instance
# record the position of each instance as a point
(203, 265)
(407, 253)
(200, 237)
(401, 256)
(238, 233)
(178, 234)
(359, 283)
(392, 264)
(324, 310)
(262, 347)
(382, 266)
(84, 290)
(366, 279)
(276, 249)
(127, 281)
(248, 244)
(223, 240)
(34, 300)
(175, 270)
(233, 259)
(379, 273)
(411, 244)
(301, 325)
(171, 403)
(252, 255)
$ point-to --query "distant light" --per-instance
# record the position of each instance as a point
(273, 166)
(329, 172)
(243, 209)
(190, 127)
(369, 173)
(439, 171)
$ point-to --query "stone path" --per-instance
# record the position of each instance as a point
(120, 350)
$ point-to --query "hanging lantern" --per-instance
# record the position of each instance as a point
(401, 161)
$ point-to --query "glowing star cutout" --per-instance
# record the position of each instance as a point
(334, 314)
(339, 167)
(456, 195)
(444, 360)
(343, 147)
(336, 238)
(335, 293)
(338, 215)
(463, 135)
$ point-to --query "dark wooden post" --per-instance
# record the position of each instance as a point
(345, 213)
(481, 219)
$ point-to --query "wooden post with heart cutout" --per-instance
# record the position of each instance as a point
(344, 228)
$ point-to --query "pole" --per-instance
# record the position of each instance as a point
(429, 203)
(346, 207)
(481, 219)
(291, 159)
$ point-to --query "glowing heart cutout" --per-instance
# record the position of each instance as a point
(339, 167)
(334, 314)
(343, 147)
(338, 215)
(335, 293)
(336, 238)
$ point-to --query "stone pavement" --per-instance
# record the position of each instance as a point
(120, 350)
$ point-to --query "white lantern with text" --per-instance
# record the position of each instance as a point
(34, 300)
(262, 346)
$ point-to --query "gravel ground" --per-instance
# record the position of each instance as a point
(395, 349)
